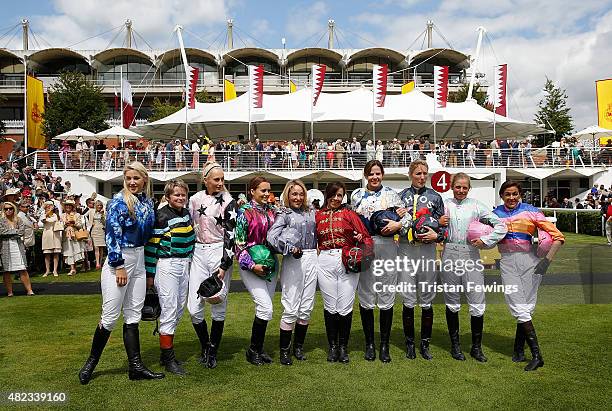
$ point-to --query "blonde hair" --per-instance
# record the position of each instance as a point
(15, 211)
(415, 164)
(129, 198)
(461, 176)
(208, 167)
(285, 195)
(175, 183)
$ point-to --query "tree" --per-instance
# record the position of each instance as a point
(74, 102)
(553, 111)
(161, 109)
(460, 95)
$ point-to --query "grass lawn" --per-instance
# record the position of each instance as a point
(45, 340)
(579, 251)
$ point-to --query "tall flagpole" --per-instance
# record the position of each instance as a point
(25, 105)
(373, 111)
(121, 93)
(250, 101)
(434, 125)
(223, 75)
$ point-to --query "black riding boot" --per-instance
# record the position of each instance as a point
(298, 341)
(519, 345)
(136, 369)
(216, 332)
(201, 330)
(344, 331)
(532, 341)
(168, 358)
(426, 327)
(331, 329)
(452, 321)
(367, 322)
(285, 347)
(476, 351)
(100, 339)
(386, 321)
(258, 333)
(408, 324)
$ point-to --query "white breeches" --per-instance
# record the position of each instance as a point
(384, 249)
(336, 284)
(205, 261)
(171, 282)
(131, 296)
(262, 293)
(299, 283)
(421, 276)
(466, 272)
(517, 270)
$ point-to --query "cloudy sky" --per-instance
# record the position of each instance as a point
(568, 41)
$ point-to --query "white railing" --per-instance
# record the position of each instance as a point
(112, 122)
(352, 81)
(576, 212)
(158, 159)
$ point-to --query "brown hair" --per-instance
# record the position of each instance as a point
(288, 187)
(461, 176)
(174, 183)
(331, 189)
(370, 164)
(254, 183)
(415, 164)
(508, 184)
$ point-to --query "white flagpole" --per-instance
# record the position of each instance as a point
(223, 80)
(494, 103)
(25, 105)
(434, 123)
(121, 94)
(373, 109)
(250, 101)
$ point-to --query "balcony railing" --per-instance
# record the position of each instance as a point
(112, 122)
(282, 160)
(240, 82)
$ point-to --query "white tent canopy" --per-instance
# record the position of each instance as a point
(337, 115)
(592, 133)
(118, 132)
(75, 134)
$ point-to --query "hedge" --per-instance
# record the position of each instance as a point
(588, 222)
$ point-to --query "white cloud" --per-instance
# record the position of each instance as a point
(308, 22)
(572, 46)
(154, 20)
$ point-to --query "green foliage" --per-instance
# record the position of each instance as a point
(553, 111)
(74, 102)
(162, 109)
(588, 222)
(460, 95)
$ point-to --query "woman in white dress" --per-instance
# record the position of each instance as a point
(12, 250)
(72, 249)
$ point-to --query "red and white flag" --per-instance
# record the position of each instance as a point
(126, 104)
(192, 82)
(380, 84)
(116, 99)
(440, 86)
(501, 78)
(318, 77)
(256, 86)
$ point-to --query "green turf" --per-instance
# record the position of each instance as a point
(45, 340)
(579, 251)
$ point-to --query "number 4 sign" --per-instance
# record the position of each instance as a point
(440, 181)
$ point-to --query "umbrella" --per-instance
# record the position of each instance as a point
(118, 132)
(594, 132)
(74, 135)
